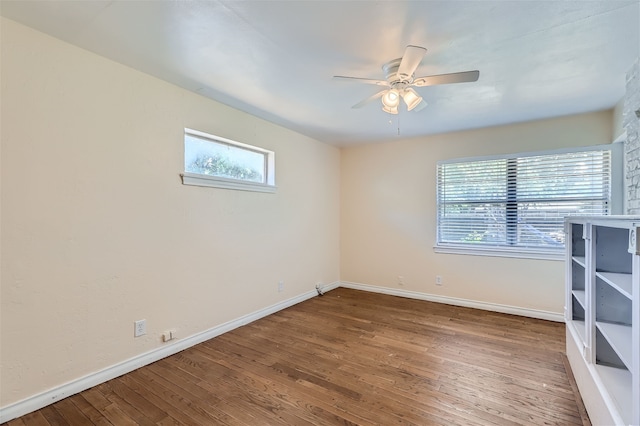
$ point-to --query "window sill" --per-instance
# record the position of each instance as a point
(500, 252)
(218, 182)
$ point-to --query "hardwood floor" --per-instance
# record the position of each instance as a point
(347, 358)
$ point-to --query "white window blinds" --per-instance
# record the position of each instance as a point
(520, 201)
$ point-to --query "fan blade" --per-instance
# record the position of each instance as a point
(410, 61)
(363, 80)
(456, 77)
(369, 99)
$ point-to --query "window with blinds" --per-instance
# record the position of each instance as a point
(519, 202)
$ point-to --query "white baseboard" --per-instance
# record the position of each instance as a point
(328, 287)
(73, 387)
(495, 307)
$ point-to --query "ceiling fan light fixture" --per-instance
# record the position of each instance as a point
(390, 110)
(411, 98)
(391, 99)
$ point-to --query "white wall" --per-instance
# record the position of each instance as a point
(617, 120)
(98, 231)
(388, 215)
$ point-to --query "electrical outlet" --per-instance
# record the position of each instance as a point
(168, 335)
(280, 286)
(139, 328)
(400, 280)
(438, 280)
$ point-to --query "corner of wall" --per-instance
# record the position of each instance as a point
(617, 124)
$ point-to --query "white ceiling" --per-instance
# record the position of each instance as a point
(276, 59)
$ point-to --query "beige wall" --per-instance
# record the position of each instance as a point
(617, 120)
(388, 215)
(98, 231)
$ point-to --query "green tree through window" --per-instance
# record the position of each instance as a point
(218, 165)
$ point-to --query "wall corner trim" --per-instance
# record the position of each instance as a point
(73, 387)
(486, 306)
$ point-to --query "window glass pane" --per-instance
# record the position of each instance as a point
(576, 175)
(476, 181)
(473, 224)
(212, 158)
(520, 202)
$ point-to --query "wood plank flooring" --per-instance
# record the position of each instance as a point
(347, 358)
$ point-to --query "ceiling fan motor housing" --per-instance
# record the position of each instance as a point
(396, 81)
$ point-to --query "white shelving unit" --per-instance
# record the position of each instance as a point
(576, 290)
(603, 315)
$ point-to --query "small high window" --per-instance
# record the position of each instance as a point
(218, 162)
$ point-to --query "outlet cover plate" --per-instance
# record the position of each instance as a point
(139, 328)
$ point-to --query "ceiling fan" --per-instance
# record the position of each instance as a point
(400, 80)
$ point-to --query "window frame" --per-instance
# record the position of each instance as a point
(198, 179)
(615, 202)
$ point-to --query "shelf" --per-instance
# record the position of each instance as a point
(580, 328)
(580, 296)
(621, 282)
(617, 382)
(620, 339)
(580, 260)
